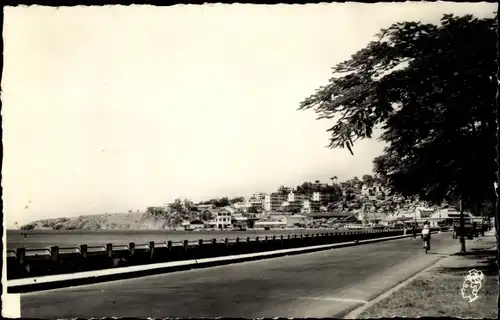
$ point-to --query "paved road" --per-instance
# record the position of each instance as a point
(321, 284)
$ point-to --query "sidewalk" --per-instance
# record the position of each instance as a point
(437, 292)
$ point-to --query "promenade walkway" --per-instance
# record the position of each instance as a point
(437, 292)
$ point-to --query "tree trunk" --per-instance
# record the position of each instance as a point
(462, 227)
(497, 206)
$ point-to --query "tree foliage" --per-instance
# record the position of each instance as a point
(156, 211)
(206, 215)
(237, 200)
(431, 90)
(284, 190)
(218, 203)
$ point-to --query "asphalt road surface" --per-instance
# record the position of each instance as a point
(321, 284)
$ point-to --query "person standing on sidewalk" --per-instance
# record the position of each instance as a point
(426, 235)
(414, 231)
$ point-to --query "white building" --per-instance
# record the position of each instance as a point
(423, 212)
(202, 207)
(270, 223)
(316, 196)
(274, 201)
(449, 213)
(243, 205)
(306, 206)
(365, 190)
(222, 218)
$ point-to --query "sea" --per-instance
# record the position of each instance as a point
(38, 239)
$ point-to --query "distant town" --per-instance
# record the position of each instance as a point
(353, 203)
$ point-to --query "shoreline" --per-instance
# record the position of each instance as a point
(18, 231)
(34, 239)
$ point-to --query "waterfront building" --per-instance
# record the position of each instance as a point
(274, 222)
(221, 219)
(319, 218)
(257, 200)
(274, 201)
(239, 221)
(448, 216)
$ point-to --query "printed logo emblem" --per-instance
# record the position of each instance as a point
(472, 284)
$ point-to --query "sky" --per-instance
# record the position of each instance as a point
(107, 109)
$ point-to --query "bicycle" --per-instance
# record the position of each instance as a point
(426, 246)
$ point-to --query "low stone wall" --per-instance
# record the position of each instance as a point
(25, 263)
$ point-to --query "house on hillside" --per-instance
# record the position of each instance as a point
(257, 200)
(242, 206)
(202, 207)
(228, 209)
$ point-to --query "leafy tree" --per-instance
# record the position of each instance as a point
(177, 206)
(284, 190)
(253, 210)
(30, 226)
(156, 211)
(368, 180)
(222, 202)
(305, 188)
(236, 200)
(206, 215)
(188, 205)
(431, 90)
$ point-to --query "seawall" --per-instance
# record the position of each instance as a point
(41, 270)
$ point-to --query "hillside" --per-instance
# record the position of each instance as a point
(136, 221)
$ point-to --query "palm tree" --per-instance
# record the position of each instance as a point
(334, 179)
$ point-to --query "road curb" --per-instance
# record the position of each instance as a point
(354, 314)
(83, 278)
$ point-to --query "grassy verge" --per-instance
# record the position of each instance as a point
(437, 292)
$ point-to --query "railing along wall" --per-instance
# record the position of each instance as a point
(23, 262)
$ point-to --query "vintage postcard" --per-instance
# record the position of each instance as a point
(321, 160)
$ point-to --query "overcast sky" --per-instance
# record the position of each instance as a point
(107, 109)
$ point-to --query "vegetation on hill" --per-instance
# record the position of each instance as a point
(344, 196)
(134, 221)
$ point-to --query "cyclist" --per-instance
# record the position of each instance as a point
(426, 235)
